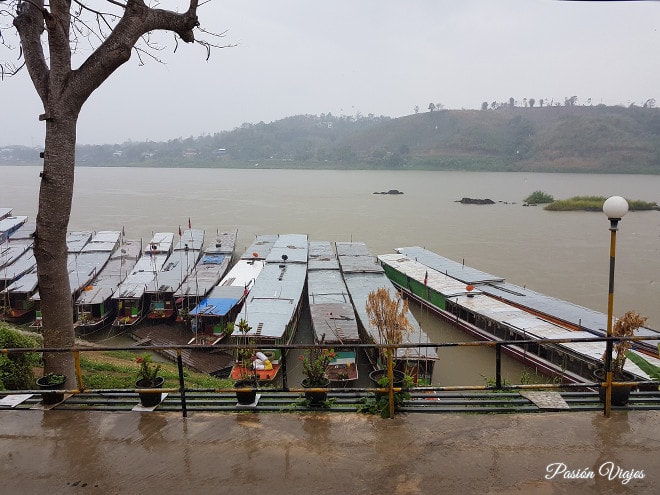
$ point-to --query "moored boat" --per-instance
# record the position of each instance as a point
(169, 278)
(332, 315)
(210, 269)
(211, 316)
(489, 308)
(95, 307)
(363, 275)
(273, 306)
(130, 296)
(9, 225)
(88, 254)
(16, 255)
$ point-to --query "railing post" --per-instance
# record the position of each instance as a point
(182, 387)
(498, 365)
(76, 360)
(285, 385)
(390, 379)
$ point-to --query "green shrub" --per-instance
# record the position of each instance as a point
(16, 368)
(539, 198)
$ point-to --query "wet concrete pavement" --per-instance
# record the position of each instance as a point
(66, 452)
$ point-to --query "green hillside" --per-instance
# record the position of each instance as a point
(596, 139)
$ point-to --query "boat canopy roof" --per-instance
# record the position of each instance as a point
(291, 248)
(112, 275)
(274, 299)
(190, 239)
(260, 247)
(219, 302)
(223, 243)
(360, 282)
(105, 240)
(321, 256)
(174, 271)
(75, 241)
(160, 243)
(23, 264)
(585, 318)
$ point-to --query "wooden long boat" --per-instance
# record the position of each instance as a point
(208, 272)
(16, 255)
(88, 254)
(332, 315)
(180, 264)
(210, 318)
(95, 307)
(130, 298)
(489, 308)
(273, 306)
(363, 275)
(9, 225)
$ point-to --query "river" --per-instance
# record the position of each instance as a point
(562, 254)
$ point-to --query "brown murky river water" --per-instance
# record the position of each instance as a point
(565, 255)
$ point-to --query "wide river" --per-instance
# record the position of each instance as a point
(565, 255)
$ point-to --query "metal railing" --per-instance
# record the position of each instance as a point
(390, 390)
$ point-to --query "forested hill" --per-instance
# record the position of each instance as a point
(537, 139)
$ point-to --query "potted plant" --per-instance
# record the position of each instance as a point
(388, 315)
(623, 327)
(314, 363)
(147, 377)
(248, 376)
(51, 381)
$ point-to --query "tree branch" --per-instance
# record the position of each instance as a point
(29, 23)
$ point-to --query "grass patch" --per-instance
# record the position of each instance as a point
(118, 369)
(595, 203)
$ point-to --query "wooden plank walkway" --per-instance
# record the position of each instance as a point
(164, 334)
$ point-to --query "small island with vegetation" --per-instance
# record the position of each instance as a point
(582, 203)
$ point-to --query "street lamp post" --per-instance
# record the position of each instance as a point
(615, 207)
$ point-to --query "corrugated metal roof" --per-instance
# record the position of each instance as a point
(321, 256)
(115, 271)
(436, 280)
(190, 238)
(361, 279)
(75, 241)
(580, 316)
(452, 268)
(12, 251)
(276, 294)
(177, 267)
(260, 247)
(19, 267)
(105, 240)
(160, 243)
(289, 247)
(223, 243)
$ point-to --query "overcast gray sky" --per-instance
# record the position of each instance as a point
(369, 56)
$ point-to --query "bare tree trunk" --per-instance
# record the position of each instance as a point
(50, 249)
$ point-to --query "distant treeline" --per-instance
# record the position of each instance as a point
(592, 139)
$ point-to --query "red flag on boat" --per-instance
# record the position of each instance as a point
(426, 277)
(179, 230)
(189, 223)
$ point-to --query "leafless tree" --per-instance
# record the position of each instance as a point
(46, 38)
